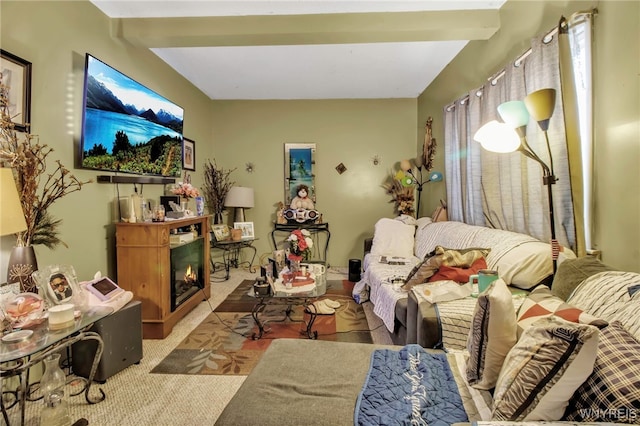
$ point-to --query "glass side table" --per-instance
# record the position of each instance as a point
(231, 253)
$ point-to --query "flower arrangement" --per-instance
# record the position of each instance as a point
(184, 189)
(403, 196)
(216, 187)
(38, 188)
(300, 245)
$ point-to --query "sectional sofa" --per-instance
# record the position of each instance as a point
(577, 361)
(522, 261)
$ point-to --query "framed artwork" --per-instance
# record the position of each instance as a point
(299, 165)
(16, 75)
(188, 154)
(246, 227)
(220, 232)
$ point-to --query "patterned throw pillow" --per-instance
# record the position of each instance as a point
(542, 303)
(423, 271)
(458, 274)
(542, 371)
(612, 392)
(462, 258)
(492, 335)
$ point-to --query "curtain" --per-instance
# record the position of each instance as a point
(505, 191)
(575, 69)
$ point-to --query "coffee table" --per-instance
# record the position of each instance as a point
(282, 296)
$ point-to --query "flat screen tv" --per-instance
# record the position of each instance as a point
(126, 127)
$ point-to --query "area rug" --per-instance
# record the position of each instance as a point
(223, 345)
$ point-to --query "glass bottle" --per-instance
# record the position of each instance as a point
(52, 387)
(55, 412)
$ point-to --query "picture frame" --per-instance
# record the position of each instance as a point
(188, 154)
(58, 284)
(299, 169)
(247, 229)
(16, 75)
(221, 232)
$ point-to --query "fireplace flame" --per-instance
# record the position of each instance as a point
(190, 275)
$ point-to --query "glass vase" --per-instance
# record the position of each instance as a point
(53, 379)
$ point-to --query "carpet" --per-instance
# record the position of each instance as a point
(222, 343)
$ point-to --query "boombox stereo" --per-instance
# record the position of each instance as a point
(300, 215)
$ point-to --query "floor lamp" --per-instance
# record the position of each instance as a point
(499, 137)
(406, 167)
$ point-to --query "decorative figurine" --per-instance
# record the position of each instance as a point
(302, 201)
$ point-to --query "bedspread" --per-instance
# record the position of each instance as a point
(409, 386)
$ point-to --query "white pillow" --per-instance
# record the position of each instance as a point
(492, 335)
(393, 238)
(526, 265)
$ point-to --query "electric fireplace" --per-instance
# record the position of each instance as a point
(187, 270)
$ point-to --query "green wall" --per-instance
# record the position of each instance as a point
(351, 132)
(617, 106)
(54, 37)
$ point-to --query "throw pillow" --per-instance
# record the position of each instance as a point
(462, 258)
(542, 303)
(458, 274)
(612, 392)
(393, 238)
(542, 371)
(572, 272)
(492, 335)
(423, 271)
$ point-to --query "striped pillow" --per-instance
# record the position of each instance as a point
(542, 371)
(612, 392)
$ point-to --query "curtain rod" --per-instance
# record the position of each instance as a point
(497, 76)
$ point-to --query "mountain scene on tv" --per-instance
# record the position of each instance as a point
(127, 127)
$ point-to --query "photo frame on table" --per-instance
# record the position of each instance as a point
(188, 154)
(220, 232)
(58, 284)
(16, 75)
(247, 229)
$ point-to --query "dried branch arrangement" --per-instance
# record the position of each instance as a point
(402, 196)
(216, 187)
(38, 189)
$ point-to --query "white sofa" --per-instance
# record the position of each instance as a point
(521, 261)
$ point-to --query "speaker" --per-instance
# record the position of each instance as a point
(121, 334)
(354, 270)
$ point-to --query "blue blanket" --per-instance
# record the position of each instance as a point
(409, 386)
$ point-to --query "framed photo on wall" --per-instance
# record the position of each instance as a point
(299, 165)
(188, 154)
(247, 229)
(16, 75)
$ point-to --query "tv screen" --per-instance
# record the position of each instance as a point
(126, 127)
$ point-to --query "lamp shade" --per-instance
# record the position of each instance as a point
(405, 165)
(514, 113)
(239, 196)
(497, 137)
(11, 214)
(540, 105)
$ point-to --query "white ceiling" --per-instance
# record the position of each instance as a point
(229, 60)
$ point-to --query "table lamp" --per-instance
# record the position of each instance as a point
(240, 198)
(11, 215)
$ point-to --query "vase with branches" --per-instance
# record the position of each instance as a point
(216, 186)
(38, 189)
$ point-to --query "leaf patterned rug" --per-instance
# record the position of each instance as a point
(222, 343)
